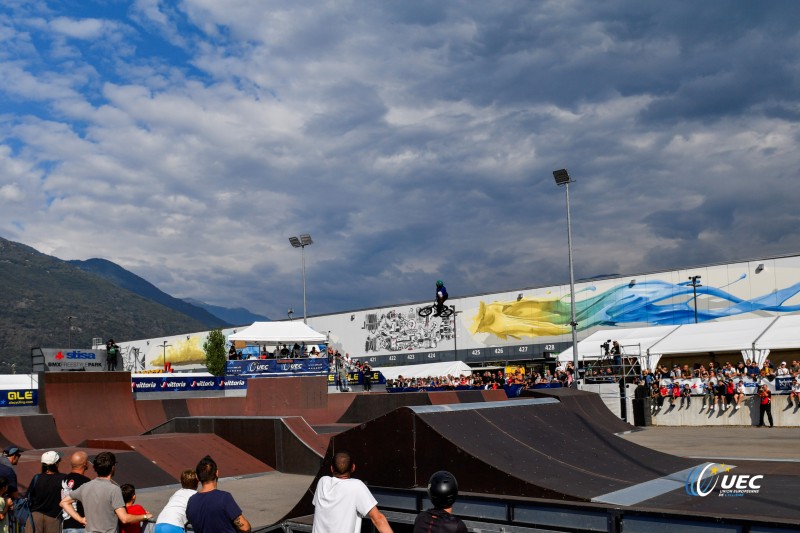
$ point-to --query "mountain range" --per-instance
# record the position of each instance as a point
(48, 302)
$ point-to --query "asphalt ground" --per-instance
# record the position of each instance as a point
(264, 498)
(723, 443)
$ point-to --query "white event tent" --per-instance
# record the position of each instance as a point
(424, 370)
(753, 338)
(634, 342)
(278, 333)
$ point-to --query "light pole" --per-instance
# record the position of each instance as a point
(302, 242)
(695, 284)
(455, 330)
(69, 331)
(562, 178)
(164, 345)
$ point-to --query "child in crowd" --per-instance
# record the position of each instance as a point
(686, 395)
(738, 396)
(172, 518)
(795, 394)
(129, 496)
(675, 393)
(3, 510)
(663, 392)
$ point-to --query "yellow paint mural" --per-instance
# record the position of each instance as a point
(527, 317)
(186, 352)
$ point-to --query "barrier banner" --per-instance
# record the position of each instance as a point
(783, 384)
(190, 383)
(310, 366)
(19, 398)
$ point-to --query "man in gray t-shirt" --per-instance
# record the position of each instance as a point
(102, 500)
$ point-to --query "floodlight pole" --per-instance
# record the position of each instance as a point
(69, 331)
(164, 345)
(302, 242)
(694, 279)
(562, 178)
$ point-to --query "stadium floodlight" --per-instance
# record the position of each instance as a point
(302, 242)
(562, 178)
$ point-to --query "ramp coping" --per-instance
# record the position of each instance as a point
(655, 487)
(482, 405)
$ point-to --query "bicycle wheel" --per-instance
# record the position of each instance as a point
(446, 312)
(425, 311)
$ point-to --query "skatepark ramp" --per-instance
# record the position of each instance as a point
(524, 447)
(29, 431)
(287, 444)
(89, 404)
(176, 452)
(587, 405)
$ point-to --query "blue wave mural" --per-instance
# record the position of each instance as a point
(654, 302)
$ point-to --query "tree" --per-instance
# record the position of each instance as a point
(214, 347)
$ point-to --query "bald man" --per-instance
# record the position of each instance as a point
(79, 464)
(341, 501)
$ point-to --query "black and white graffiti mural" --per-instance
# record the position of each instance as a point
(397, 331)
(132, 360)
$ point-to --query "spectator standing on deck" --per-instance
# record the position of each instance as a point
(172, 518)
(341, 501)
(765, 395)
(442, 491)
(343, 383)
(366, 371)
(212, 510)
(79, 464)
(44, 495)
(112, 351)
(102, 500)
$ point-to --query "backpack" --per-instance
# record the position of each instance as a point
(22, 506)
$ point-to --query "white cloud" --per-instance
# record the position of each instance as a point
(413, 140)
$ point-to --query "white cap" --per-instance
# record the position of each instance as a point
(50, 458)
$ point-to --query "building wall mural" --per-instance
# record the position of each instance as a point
(525, 323)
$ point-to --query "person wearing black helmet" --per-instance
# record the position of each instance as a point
(442, 490)
(441, 296)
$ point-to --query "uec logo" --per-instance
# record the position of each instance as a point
(699, 484)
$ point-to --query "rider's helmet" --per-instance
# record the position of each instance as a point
(439, 283)
(442, 489)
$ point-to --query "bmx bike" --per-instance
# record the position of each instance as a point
(428, 309)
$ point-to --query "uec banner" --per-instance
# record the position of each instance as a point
(191, 383)
(311, 366)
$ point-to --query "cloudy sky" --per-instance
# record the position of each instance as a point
(414, 140)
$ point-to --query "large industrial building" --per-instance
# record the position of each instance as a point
(530, 324)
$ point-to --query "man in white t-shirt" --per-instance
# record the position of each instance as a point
(340, 501)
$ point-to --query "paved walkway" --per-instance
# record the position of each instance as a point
(743, 443)
(264, 499)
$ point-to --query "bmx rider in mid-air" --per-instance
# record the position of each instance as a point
(441, 297)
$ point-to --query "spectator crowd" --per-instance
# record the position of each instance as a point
(488, 379)
(71, 502)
